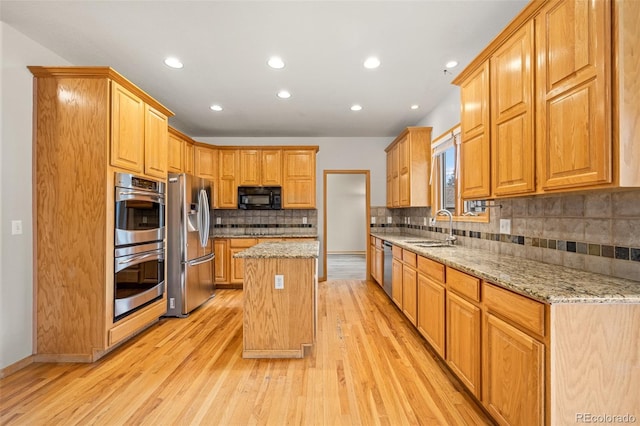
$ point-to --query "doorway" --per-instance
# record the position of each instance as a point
(346, 224)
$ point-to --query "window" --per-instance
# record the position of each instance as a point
(445, 161)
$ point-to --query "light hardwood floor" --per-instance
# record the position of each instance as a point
(369, 366)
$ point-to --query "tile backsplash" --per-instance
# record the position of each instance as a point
(265, 222)
(597, 232)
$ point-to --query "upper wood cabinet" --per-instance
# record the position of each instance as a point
(512, 110)
(562, 116)
(299, 180)
(260, 167)
(155, 143)
(409, 159)
(189, 158)
(574, 137)
(175, 154)
(180, 157)
(206, 162)
(138, 134)
(127, 129)
(227, 182)
(475, 151)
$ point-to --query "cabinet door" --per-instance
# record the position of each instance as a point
(227, 186)
(410, 293)
(379, 265)
(188, 158)
(475, 148)
(396, 282)
(236, 269)
(205, 162)
(431, 300)
(299, 189)
(390, 179)
(127, 129)
(573, 51)
(513, 372)
(463, 341)
(155, 143)
(221, 268)
(395, 177)
(271, 167)
(372, 262)
(512, 136)
(250, 167)
(175, 154)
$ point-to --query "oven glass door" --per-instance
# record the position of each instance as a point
(139, 277)
(139, 216)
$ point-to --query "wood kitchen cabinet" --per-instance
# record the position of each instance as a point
(189, 158)
(221, 261)
(409, 286)
(155, 143)
(513, 359)
(463, 328)
(512, 115)
(229, 166)
(236, 265)
(409, 157)
(175, 153)
(377, 260)
(206, 162)
(260, 167)
(299, 180)
(396, 276)
(431, 303)
(73, 230)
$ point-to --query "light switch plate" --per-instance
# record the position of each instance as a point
(218, 221)
(304, 220)
(425, 222)
(505, 226)
(389, 220)
(373, 220)
(279, 282)
(16, 227)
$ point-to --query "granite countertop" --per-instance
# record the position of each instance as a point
(292, 250)
(231, 235)
(541, 281)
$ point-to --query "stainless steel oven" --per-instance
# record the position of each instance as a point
(139, 209)
(139, 277)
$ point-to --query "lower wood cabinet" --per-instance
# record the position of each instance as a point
(221, 261)
(463, 353)
(396, 282)
(431, 319)
(236, 266)
(513, 374)
(409, 286)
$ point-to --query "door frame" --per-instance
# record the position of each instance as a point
(367, 188)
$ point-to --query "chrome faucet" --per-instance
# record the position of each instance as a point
(451, 239)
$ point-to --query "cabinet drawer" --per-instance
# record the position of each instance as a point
(242, 242)
(378, 243)
(431, 269)
(409, 258)
(397, 252)
(521, 310)
(463, 284)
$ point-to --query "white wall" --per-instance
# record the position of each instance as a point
(445, 115)
(346, 213)
(16, 251)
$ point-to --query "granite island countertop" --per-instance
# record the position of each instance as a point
(540, 281)
(285, 250)
(257, 235)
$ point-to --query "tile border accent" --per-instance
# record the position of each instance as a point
(580, 247)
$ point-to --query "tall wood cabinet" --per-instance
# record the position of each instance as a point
(408, 164)
(74, 205)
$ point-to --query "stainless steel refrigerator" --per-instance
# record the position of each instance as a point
(189, 248)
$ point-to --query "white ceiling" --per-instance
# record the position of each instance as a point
(224, 46)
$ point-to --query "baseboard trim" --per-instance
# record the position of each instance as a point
(16, 366)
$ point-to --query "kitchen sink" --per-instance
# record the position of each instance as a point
(428, 243)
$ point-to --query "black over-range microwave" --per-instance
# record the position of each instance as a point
(260, 197)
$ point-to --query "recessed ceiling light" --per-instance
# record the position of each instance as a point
(372, 62)
(216, 108)
(173, 63)
(451, 64)
(283, 94)
(275, 62)
(415, 106)
(356, 107)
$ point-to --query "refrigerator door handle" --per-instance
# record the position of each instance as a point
(200, 260)
(206, 215)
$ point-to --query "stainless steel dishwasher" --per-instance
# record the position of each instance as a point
(386, 272)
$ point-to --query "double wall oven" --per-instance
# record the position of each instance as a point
(139, 254)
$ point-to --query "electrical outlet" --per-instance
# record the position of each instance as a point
(172, 303)
(218, 221)
(505, 226)
(408, 221)
(304, 220)
(16, 227)
(425, 222)
(373, 220)
(279, 282)
(389, 221)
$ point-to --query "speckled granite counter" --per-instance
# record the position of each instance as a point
(232, 235)
(284, 250)
(541, 281)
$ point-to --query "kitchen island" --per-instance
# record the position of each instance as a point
(280, 299)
